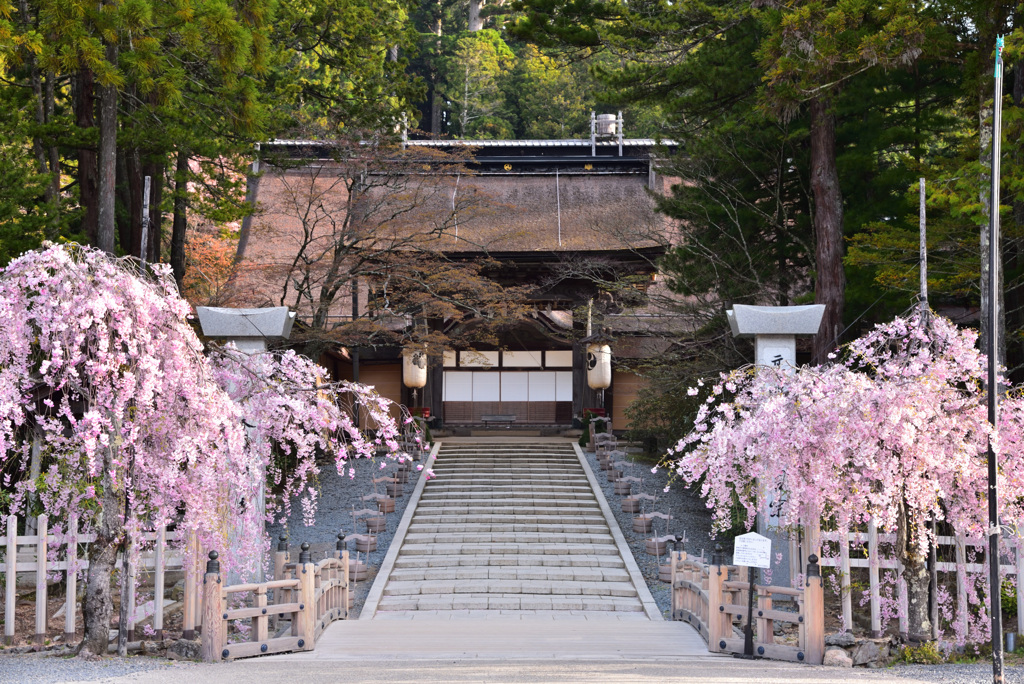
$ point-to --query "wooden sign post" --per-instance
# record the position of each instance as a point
(753, 551)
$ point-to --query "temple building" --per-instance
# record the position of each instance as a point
(571, 221)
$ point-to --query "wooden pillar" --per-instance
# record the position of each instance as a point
(844, 579)
(42, 546)
(719, 622)
(814, 607)
(307, 593)
(213, 608)
(190, 597)
(159, 553)
(874, 587)
(71, 579)
(10, 572)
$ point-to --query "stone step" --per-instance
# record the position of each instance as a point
(511, 572)
(568, 527)
(551, 493)
(443, 518)
(505, 587)
(535, 548)
(560, 508)
(508, 537)
(510, 602)
(487, 485)
(508, 560)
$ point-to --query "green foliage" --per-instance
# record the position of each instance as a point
(1008, 597)
(927, 653)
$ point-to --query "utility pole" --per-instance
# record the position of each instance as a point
(995, 583)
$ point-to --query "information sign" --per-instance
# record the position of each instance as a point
(753, 551)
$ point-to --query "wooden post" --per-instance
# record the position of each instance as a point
(158, 581)
(674, 596)
(874, 589)
(71, 580)
(719, 623)
(814, 614)
(347, 591)
(42, 547)
(844, 579)
(280, 559)
(259, 632)
(961, 583)
(307, 593)
(902, 601)
(130, 614)
(213, 607)
(794, 560)
(189, 602)
(10, 578)
(765, 626)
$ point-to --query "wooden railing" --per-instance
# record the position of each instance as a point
(43, 559)
(708, 597)
(288, 613)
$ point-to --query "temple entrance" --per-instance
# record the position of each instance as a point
(520, 388)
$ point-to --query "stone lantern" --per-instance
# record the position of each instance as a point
(774, 329)
(249, 329)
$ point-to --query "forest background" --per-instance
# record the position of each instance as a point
(798, 131)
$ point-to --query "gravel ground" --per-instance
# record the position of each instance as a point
(339, 495)
(689, 516)
(980, 673)
(56, 666)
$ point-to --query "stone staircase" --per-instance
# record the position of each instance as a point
(509, 527)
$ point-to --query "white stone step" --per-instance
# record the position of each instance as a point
(508, 560)
(512, 572)
(432, 549)
(507, 587)
(565, 527)
(510, 602)
(508, 537)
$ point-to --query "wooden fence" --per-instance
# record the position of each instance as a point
(710, 596)
(33, 555)
(298, 604)
(867, 551)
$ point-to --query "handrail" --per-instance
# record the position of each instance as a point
(310, 596)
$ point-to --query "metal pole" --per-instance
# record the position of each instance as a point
(924, 252)
(145, 220)
(993, 378)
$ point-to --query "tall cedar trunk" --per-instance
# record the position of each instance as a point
(106, 219)
(53, 154)
(179, 222)
(88, 180)
(475, 22)
(155, 170)
(133, 180)
(828, 227)
(98, 604)
(122, 194)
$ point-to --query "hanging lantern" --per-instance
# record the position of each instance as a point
(599, 365)
(414, 368)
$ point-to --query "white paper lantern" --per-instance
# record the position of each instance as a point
(414, 368)
(599, 366)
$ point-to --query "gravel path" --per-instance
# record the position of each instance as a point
(689, 515)
(53, 667)
(339, 494)
(980, 673)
